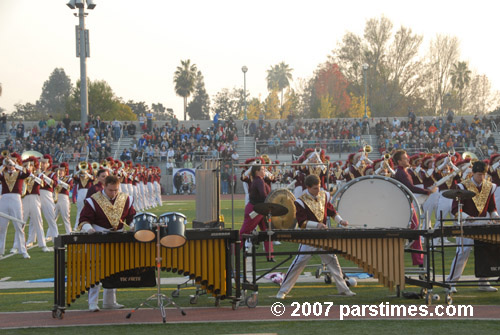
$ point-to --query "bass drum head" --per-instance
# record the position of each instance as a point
(285, 198)
(375, 203)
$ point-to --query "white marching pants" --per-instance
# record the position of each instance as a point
(49, 212)
(108, 295)
(80, 201)
(461, 257)
(130, 190)
(11, 205)
(299, 263)
(142, 194)
(32, 210)
(429, 207)
(137, 197)
(63, 209)
(151, 195)
(157, 187)
(123, 188)
(444, 206)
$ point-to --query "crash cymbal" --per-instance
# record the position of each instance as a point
(459, 194)
(266, 208)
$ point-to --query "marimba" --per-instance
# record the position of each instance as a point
(377, 251)
(88, 259)
(489, 233)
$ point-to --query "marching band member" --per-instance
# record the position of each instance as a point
(481, 205)
(151, 193)
(298, 177)
(64, 186)
(82, 181)
(128, 178)
(313, 207)
(12, 180)
(135, 185)
(494, 172)
(157, 186)
(347, 167)
(97, 187)
(245, 176)
(415, 169)
(32, 206)
(444, 170)
(403, 163)
(259, 190)
(106, 211)
(427, 173)
(46, 196)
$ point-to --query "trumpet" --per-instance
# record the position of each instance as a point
(367, 148)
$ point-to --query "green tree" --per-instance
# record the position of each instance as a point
(161, 112)
(279, 77)
(55, 93)
(184, 80)
(27, 112)
(138, 107)
(199, 107)
(460, 79)
(102, 101)
(395, 72)
(228, 103)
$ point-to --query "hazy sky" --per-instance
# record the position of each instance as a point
(136, 45)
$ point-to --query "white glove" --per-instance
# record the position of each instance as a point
(87, 228)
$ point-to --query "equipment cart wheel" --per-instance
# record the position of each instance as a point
(252, 300)
(175, 293)
(328, 279)
(193, 300)
(449, 299)
(428, 299)
(58, 314)
(317, 274)
(235, 305)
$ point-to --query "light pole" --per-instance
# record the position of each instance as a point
(82, 51)
(245, 69)
(365, 67)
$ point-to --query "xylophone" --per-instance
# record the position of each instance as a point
(91, 258)
(377, 251)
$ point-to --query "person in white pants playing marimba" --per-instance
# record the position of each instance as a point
(313, 207)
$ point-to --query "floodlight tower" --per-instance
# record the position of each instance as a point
(82, 51)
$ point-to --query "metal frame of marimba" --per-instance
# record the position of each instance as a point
(377, 251)
(488, 233)
(87, 259)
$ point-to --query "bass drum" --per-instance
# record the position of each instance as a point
(375, 202)
(285, 198)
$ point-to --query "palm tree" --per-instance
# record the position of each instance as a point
(460, 79)
(279, 77)
(184, 80)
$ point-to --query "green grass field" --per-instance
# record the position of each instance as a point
(41, 266)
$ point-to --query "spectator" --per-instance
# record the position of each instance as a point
(3, 123)
(142, 119)
(175, 122)
(149, 117)
(51, 123)
(66, 121)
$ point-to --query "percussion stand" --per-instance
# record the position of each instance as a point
(270, 232)
(162, 300)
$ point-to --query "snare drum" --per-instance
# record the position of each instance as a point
(144, 224)
(175, 225)
(375, 202)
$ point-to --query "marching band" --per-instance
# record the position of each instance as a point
(32, 185)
